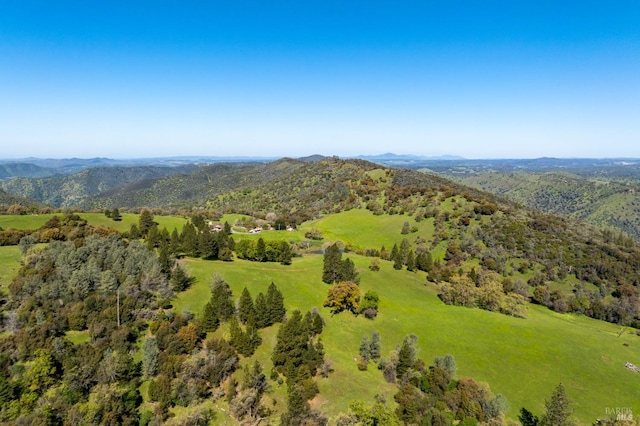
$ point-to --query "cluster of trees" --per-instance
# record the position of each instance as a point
(345, 296)
(335, 269)
(102, 287)
(70, 227)
(261, 251)
(426, 395)
(486, 290)
(113, 214)
(299, 357)
(196, 239)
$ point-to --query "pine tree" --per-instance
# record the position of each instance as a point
(365, 349)
(411, 261)
(376, 348)
(262, 311)
(558, 409)
(145, 222)
(221, 299)
(424, 261)
(261, 250)
(348, 271)
(406, 355)
(180, 280)
(527, 418)
(245, 306)
(397, 259)
(332, 263)
(209, 320)
(150, 354)
(275, 304)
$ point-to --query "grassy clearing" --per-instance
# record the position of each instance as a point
(77, 337)
(524, 359)
(363, 229)
(95, 219)
(9, 265)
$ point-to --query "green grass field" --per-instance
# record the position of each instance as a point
(523, 359)
(9, 265)
(95, 219)
(363, 229)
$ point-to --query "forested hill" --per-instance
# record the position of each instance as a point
(283, 186)
(16, 204)
(601, 200)
(70, 190)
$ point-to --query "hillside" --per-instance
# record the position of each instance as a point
(601, 200)
(69, 190)
(7, 200)
(10, 170)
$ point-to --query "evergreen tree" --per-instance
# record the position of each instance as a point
(174, 242)
(397, 259)
(208, 246)
(424, 261)
(209, 320)
(411, 261)
(376, 348)
(262, 311)
(261, 252)
(275, 304)
(348, 271)
(331, 264)
(180, 280)
(150, 354)
(145, 222)
(245, 306)
(237, 338)
(189, 239)
(365, 349)
(406, 355)
(527, 418)
(558, 409)
(221, 299)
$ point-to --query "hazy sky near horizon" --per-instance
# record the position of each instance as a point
(490, 79)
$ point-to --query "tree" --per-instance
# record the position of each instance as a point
(245, 306)
(376, 347)
(209, 320)
(115, 215)
(331, 264)
(275, 305)
(261, 255)
(558, 409)
(527, 418)
(406, 355)
(180, 280)
(365, 349)
(150, 354)
(262, 311)
(145, 222)
(221, 298)
(447, 363)
(343, 296)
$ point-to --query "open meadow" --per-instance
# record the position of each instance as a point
(523, 359)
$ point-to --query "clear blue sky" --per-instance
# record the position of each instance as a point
(480, 79)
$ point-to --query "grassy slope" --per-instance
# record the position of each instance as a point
(9, 265)
(364, 230)
(95, 219)
(522, 359)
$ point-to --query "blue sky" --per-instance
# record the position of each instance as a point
(480, 79)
